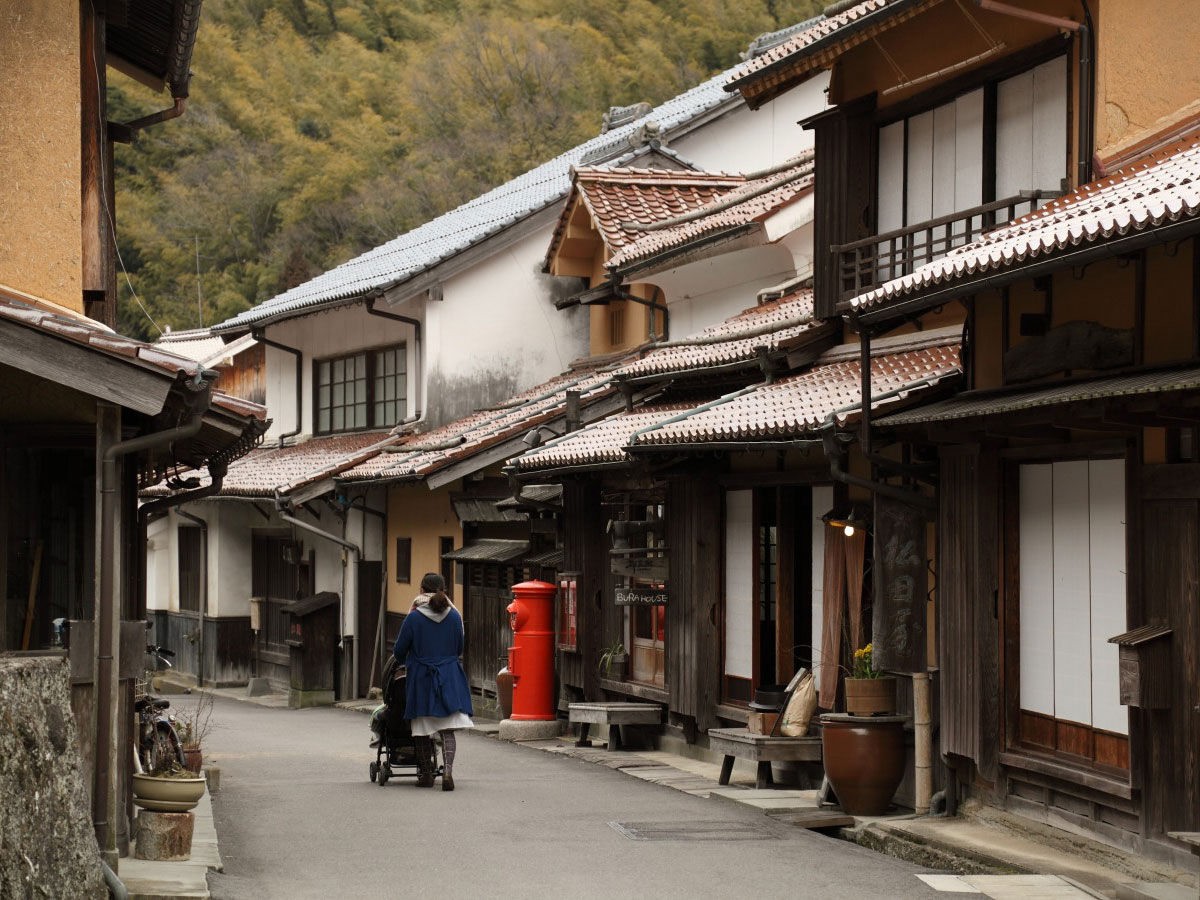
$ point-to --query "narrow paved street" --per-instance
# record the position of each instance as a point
(297, 817)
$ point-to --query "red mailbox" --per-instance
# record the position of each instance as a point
(531, 657)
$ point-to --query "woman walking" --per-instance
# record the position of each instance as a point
(438, 697)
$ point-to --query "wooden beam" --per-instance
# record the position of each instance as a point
(571, 266)
(95, 209)
(82, 368)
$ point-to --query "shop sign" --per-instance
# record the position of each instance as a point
(641, 596)
(901, 587)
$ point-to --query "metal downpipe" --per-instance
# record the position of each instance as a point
(420, 354)
(299, 354)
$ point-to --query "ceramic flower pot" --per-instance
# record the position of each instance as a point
(864, 760)
(871, 696)
(167, 794)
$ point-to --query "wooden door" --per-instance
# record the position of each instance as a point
(370, 590)
(1171, 760)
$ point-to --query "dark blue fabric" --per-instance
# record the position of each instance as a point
(437, 684)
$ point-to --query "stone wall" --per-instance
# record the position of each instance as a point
(47, 846)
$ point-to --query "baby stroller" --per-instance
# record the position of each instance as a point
(395, 747)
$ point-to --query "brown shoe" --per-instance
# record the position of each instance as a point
(424, 780)
(447, 782)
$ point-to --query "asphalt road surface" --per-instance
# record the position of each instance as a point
(297, 817)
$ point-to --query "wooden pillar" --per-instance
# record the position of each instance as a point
(785, 584)
(98, 254)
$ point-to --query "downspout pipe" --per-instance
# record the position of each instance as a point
(420, 354)
(1087, 74)
(283, 507)
(203, 523)
(622, 294)
(377, 653)
(299, 354)
(152, 509)
(108, 610)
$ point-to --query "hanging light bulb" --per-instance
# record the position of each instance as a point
(848, 531)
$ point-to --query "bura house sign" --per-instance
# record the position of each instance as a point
(641, 596)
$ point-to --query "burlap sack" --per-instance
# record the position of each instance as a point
(800, 708)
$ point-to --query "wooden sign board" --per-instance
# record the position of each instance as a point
(641, 596)
(901, 587)
(647, 568)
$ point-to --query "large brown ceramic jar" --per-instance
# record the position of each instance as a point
(864, 760)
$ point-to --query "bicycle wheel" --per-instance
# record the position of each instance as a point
(161, 748)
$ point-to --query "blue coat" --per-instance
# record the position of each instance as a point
(437, 684)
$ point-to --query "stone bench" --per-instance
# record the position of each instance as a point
(614, 715)
(762, 749)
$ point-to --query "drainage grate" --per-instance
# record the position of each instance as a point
(693, 831)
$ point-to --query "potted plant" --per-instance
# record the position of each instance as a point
(869, 692)
(168, 788)
(613, 657)
(193, 725)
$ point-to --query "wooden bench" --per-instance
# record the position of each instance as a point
(762, 749)
(614, 715)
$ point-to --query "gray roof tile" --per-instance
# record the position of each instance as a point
(455, 231)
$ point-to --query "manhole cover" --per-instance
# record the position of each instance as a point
(693, 831)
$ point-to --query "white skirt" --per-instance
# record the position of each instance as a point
(423, 726)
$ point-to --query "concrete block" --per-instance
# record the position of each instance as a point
(212, 775)
(164, 836)
(515, 730)
(258, 687)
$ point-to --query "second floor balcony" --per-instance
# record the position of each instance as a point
(869, 262)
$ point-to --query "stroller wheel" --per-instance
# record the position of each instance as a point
(384, 774)
(374, 770)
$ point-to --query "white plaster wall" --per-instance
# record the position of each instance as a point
(496, 331)
(160, 564)
(230, 555)
(334, 332)
(744, 140)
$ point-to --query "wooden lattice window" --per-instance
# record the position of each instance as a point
(362, 390)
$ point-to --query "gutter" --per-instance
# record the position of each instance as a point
(420, 354)
(622, 294)
(299, 354)
(108, 611)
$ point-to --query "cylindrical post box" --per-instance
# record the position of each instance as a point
(531, 615)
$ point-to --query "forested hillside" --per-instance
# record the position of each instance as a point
(319, 128)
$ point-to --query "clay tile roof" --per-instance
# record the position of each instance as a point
(825, 34)
(617, 197)
(1159, 191)
(78, 329)
(796, 407)
(601, 442)
(416, 456)
(778, 324)
(262, 471)
(761, 200)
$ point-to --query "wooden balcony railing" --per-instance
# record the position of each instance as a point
(869, 262)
